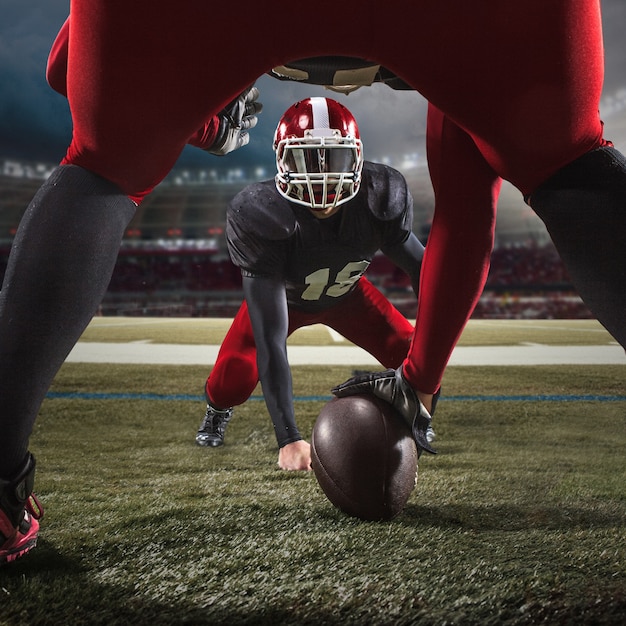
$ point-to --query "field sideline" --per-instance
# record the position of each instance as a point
(495, 342)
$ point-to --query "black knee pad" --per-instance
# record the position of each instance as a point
(15, 491)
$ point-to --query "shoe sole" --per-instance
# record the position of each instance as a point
(210, 444)
(16, 553)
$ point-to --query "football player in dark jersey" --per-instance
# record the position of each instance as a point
(303, 242)
(517, 84)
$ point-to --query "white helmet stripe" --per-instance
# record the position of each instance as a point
(321, 119)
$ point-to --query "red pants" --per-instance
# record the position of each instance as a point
(518, 84)
(523, 78)
(366, 318)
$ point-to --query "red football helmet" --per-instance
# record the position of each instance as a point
(319, 155)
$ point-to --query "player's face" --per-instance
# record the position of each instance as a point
(325, 167)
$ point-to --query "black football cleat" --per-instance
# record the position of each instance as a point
(213, 427)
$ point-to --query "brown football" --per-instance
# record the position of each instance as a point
(364, 457)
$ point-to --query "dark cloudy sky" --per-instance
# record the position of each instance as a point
(35, 122)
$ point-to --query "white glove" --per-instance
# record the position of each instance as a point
(236, 118)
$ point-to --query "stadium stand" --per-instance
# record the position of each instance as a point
(173, 260)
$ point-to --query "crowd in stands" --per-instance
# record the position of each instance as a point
(172, 272)
(528, 265)
(539, 305)
(525, 281)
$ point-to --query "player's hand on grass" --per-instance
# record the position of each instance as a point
(392, 387)
(295, 456)
(236, 118)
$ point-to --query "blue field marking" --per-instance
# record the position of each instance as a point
(76, 395)
(538, 398)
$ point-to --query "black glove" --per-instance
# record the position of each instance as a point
(391, 386)
(236, 118)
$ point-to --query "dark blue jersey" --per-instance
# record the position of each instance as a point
(320, 260)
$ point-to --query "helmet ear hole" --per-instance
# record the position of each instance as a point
(319, 154)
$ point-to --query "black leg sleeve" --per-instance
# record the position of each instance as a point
(59, 269)
(584, 209)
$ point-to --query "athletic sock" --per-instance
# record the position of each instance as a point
(59, 268)
(584, 209)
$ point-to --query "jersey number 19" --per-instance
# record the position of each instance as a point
(318, 282)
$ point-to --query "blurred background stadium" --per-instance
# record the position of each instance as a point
(173, 260)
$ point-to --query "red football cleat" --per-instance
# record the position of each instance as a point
(22, 539)
(20, 512)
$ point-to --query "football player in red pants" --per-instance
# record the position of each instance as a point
(303, 243)
(520, 81)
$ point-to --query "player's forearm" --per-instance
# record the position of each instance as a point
(279, 401)
(276, 382)
(269, 316)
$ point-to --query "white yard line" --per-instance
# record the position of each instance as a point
(150, 353)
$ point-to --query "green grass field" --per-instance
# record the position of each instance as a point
(520, 518)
